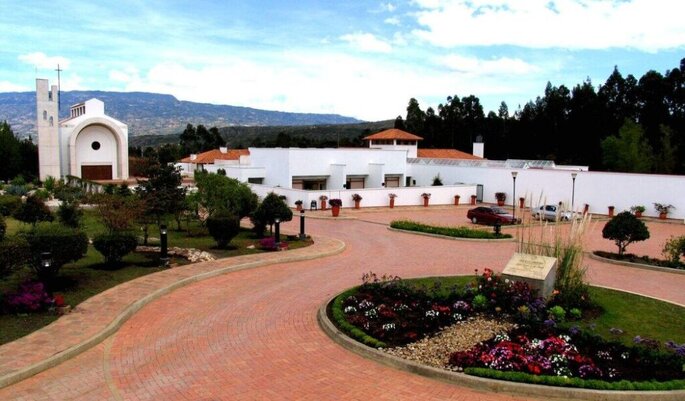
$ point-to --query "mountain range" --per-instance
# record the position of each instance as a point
(156, 114)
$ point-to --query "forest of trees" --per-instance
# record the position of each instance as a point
(625, 124)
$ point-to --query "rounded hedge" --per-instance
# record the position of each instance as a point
(65, 245)
(115, 246)
(223, 226)
(15, 252)
(9, 204)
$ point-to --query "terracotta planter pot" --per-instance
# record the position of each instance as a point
(522, 203)
(323, 204)
(611, 211)
(298, 207)
(662, 216)
(500, 203)
(392, 203)
(638, 213)
(586, 208)
(456, 200)
(425, 202)
(356, 204)
(473, 199)
(335, 210)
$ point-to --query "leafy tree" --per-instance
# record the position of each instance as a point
(629, 152)
(33, 211)
(117, 212)
(223, 226)
(162, 193)
(399, 123)
(271, 207)
(70, 214)
(9, 152)
(220, 192)
(624, 229)
(416, 118)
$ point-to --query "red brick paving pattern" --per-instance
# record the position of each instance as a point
(253, 334)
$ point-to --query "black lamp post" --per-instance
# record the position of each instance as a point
(46, 261)
(573, 190)
(164, 254)
(277, 232)
(302, 234)
(513, 201)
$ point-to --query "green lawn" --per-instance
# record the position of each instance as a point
(89, 276)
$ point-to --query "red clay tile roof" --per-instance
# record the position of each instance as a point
(394, 133)
(209, 156)
(445, 154)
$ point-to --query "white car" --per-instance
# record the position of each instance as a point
(551, 213)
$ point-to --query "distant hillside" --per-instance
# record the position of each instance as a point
(156, 114)
(245, 136)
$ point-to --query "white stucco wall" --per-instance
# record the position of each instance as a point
(106, 154)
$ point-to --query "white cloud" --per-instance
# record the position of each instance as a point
(388, 7)
(646, 25)
(6, 86)
(503, 65)
(41, 60)
(367, 42)
(392, 21)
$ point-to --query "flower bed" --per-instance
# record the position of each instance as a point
(545, 346)
(645, 260)
(458, 232)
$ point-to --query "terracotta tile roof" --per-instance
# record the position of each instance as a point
(394, 133)
(445, 154)
(209, 156)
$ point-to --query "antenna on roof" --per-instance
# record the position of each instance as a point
(59, 88)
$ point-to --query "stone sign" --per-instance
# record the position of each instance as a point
(539, 272)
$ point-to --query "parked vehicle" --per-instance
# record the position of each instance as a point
(490, 215)
(551, 213)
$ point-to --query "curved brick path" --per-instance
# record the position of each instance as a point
(252, 334)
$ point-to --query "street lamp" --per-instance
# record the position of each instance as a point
(164, 254)
(277, 232)
(573, 190)
(302, 234)
(46, 261)
(513, 201)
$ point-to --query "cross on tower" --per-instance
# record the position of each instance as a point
(59, 92)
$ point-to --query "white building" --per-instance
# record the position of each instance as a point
(88, 144)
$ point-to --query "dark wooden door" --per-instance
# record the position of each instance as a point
(96, 172)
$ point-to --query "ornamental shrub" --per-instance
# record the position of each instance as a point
(70, 214)
(16, 190)
(33, 211)
(271, 207)
(14, 253)
(9, 204)
(65, 245)
(115, 246)
(31, 297)
(674, 248)
(624, 229)
(3, 227)
(223, 226)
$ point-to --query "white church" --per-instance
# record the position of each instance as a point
(88, 144)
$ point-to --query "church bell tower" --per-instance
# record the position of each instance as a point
(47, 124)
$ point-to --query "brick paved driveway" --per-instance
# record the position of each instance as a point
(252, 334)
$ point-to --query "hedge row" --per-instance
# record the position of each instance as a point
(458, 232)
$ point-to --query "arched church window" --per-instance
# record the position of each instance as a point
(95, 145)
(45, 115)
(51, 121)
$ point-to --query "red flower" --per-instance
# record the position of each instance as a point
(59, 300)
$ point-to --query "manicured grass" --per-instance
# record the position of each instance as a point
(457, 232)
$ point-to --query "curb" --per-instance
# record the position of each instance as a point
(635, 265)
(480, 383)
(132, 308)
(512, 239)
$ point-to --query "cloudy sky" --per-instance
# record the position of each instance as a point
(357, 58)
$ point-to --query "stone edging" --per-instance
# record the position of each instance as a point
(635, 265)
(132, 308)
(512, 239)
(480, 383)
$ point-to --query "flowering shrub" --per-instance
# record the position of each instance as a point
(267, 243)
(31, 297)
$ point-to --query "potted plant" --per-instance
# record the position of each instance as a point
(336, 204)
(473, 199)
(611, 211)
(356, 198)
(323, 199)
(392, 200)
(663, 209)
(298, 205)
(637, 210)
(586, 209)
(501, 197)
(456, 200)
(426, 196)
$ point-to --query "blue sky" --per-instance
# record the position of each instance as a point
(360, 58)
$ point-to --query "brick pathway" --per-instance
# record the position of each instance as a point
(252, 334)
